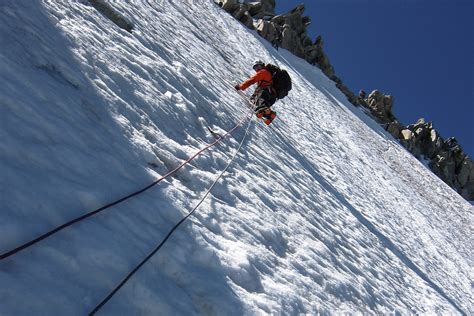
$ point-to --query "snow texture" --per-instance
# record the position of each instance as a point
(321, 212)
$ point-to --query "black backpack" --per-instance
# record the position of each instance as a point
(281, 80)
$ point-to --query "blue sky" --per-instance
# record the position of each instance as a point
(419, 51)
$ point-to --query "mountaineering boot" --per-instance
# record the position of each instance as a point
(269, 117)
(261, 112)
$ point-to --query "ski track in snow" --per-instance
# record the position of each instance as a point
(311, 216)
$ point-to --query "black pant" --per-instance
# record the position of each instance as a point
(262, 99)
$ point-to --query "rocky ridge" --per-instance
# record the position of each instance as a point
(444, 157)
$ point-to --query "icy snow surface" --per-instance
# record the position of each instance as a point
(320, 212)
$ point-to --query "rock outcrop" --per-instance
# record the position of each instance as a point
(380, 107)
(248, 11)
(113, 15)
(445, 157)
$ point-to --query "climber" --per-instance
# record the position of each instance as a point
(264, 95)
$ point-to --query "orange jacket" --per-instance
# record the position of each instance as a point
(263, 78)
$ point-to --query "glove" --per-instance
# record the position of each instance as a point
(237, 87)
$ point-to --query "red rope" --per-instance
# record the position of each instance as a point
(149, 256)
(87, 215)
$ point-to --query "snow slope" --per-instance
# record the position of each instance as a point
(310, 217)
